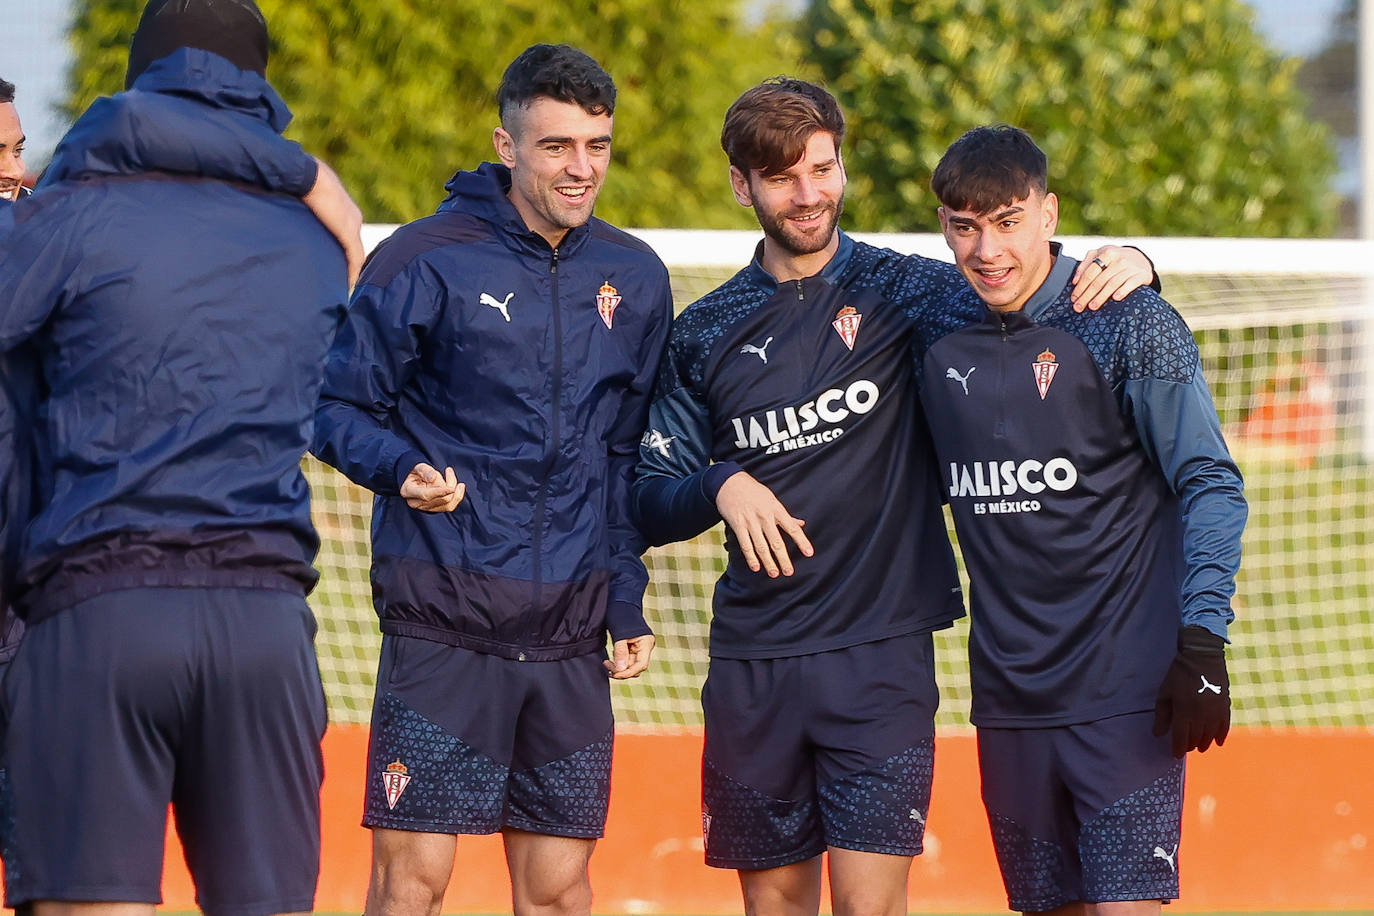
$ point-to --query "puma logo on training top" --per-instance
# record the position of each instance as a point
(1208, 686)
(1167, 856)
(952, 373)
(761, 352)
(500, 306)
(916, 816)
(655, 439)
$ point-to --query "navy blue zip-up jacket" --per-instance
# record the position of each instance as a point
(808, 385)
(1097, 506)
(18, 375)
(7, 213)
(181, 326)
(471, 343)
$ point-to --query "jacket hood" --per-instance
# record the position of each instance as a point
(103, 139)
(206, 76)
(483, 193)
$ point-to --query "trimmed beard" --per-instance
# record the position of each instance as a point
(776, 229)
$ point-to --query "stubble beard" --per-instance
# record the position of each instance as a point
(566, 215)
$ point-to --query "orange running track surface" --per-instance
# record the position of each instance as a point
(1275, 820)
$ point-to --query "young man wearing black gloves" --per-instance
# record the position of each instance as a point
(1100, 516)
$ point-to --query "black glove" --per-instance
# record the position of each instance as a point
(1195, 699)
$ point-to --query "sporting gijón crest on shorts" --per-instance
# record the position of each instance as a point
(1065, 441)
(809, 386)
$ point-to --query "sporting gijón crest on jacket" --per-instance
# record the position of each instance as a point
(1096, 504)
(808, 385)
(472, 343)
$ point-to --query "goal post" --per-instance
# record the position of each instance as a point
(1286, 331)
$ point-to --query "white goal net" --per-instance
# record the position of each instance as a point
(1286, 330)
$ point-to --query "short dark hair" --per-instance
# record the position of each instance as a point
(989, 167)
(767, 128)
(6, 92)
(559, 72)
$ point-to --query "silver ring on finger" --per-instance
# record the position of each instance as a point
(1100, 263)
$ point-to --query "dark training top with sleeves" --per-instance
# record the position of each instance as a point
(809, 386)
(181, 326)
(473, 344)
(1097, 506)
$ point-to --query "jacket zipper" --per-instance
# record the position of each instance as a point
(555, 434)
(1000, 430)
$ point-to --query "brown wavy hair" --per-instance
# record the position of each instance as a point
(767, 128)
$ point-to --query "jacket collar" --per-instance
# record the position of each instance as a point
(209, 78)
(104, 140)
(830, 273)
(484, 193)
(1056, 281)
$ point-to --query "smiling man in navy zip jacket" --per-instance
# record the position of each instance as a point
(180, 325)
(512, 339)
(1100, 516)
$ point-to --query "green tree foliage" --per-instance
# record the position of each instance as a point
(397, 95)
(1158, 116)
(1329, 78)
(1330, 75)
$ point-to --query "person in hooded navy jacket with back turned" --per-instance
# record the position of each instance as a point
(181, 326)
(138, 131)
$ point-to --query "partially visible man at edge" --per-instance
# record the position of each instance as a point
(180, 326)
(796, 379)
(14, 372)
(12, 170)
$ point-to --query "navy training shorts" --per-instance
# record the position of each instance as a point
(205, 698)
(830, 749)
(469, 743)
(1088, 812)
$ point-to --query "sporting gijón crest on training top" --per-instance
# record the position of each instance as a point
(607, 298)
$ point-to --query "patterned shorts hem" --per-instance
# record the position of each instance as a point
(759, 864)
(572, 831)
(1129, 896)
(1040, 904)
(882, 849)
(449, 828)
